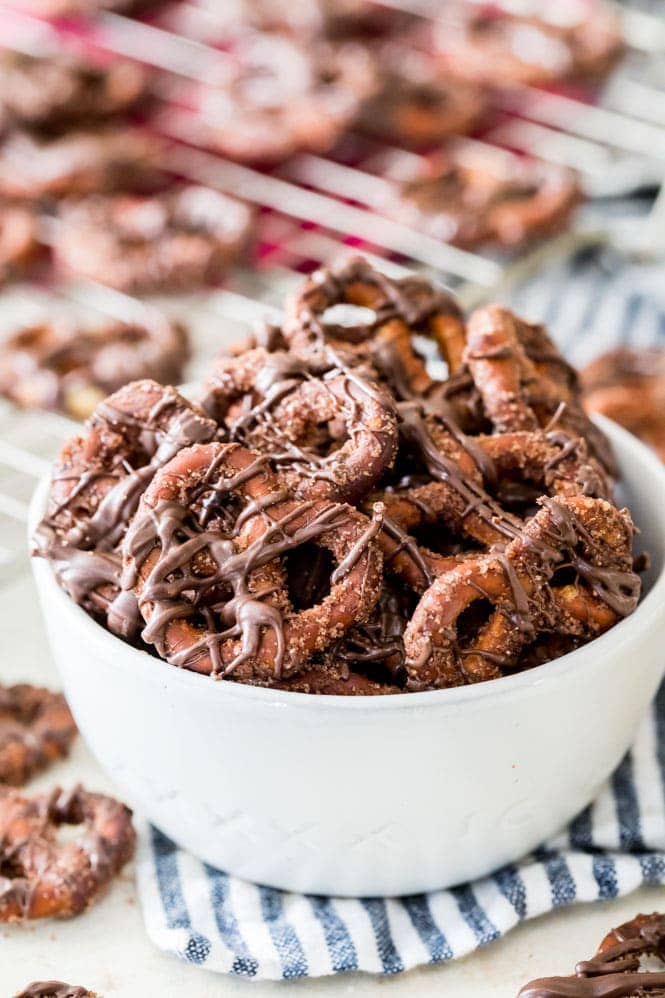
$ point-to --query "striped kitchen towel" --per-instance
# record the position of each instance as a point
(208, 918)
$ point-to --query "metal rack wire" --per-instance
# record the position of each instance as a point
(315, 207)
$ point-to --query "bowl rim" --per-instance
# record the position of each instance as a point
(641, 620)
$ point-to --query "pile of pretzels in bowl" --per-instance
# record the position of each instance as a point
(329, 517)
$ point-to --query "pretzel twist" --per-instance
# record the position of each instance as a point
(331, 438)
(36, 728)
(41, 878)
(204, 557)
(590, 536)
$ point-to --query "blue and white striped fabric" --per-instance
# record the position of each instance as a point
(208, 918)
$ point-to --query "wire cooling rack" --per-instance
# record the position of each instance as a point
(313, 208)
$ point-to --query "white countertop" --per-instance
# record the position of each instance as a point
(107, 949)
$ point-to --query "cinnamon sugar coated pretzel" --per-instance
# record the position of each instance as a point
(54, 989)
(361, 315)
(19, 241)
(333, 519)
(84, 161)
(50, 92)
(574, 40)
(418, 108)
(478, 203)
(172, 241)
(77, 8)
(283, 98)
(36, 728)
(628, 386)
(181, 539)
(96, 488)
(616, 969)
(41, 877)
(313, 18)
(288, 418)
(68, 368)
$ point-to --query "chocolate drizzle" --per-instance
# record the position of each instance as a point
(228, 584)
(488, 535)
(85, 552)
(333, 436)
(411, 300)
(476, 500)
(107, 524)
(39, 877)
(376, 648)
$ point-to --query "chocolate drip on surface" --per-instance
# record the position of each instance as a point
(608, 986)
(615, 970)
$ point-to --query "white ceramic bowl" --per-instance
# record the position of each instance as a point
(370, 795)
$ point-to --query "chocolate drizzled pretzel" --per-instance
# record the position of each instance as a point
(281, 98)
(368, 659)
(415, 106)
(68, 368)
(54, 989)
(550, 462)
(524, 384)
(77, 163)
(50, 92)
(39, 878)
(474, 204)
(203, 556)
(331, 438)
(503, 49)
(474, 486)
(96, 487)
(36, 728)
(19, 241)
(628, 385)
(175, 241)
(485, 539)
(378, 327)
(590, 536)
(453, 494)
(615, 971)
